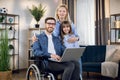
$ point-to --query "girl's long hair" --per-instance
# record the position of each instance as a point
(62, 25)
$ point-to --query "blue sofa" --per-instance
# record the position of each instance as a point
(93, 57)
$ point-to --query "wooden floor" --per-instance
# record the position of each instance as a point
(21, 75)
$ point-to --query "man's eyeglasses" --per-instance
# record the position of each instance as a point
(50, 23)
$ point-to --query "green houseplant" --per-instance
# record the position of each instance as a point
(37, 12)
(5, 71)
(2, 18)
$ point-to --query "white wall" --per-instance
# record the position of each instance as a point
(114, 6)
(85, 15)
(26, 20)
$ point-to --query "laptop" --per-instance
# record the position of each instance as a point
(71, 54)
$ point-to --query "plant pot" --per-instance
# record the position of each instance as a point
(6, 75)
(36, 25)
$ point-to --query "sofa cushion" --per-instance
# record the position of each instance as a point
(94, 54)
(92, 67)
(109, 69)
(92, 64)
(111, 51)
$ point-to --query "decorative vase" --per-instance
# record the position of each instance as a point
(117, 24)
(10, 19)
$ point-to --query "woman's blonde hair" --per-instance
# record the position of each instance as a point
(67, 15)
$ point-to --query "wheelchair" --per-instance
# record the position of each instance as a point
(38, 71)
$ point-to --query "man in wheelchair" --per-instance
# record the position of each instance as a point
(51, 48)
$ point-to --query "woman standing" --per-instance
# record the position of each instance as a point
(61, 15)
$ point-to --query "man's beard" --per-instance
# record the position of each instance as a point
(49, 30)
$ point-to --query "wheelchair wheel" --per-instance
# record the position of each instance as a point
(51, 76)
(33, 73)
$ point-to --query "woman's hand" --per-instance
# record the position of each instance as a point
(73, 39)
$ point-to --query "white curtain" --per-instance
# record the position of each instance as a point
(85, 21)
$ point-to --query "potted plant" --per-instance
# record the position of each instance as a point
(37, 12)
(2, 18)
(5, 72)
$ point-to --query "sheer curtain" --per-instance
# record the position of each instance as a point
(85, 14)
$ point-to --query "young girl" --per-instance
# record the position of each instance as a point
(65, 34)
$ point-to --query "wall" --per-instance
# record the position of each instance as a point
(20, 7)
(114, 6)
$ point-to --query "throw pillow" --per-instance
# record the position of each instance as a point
(116, 56)
(109, 54)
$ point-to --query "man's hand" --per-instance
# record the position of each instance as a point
(34, 38)
(56, 57)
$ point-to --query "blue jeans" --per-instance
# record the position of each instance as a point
(80, 62)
